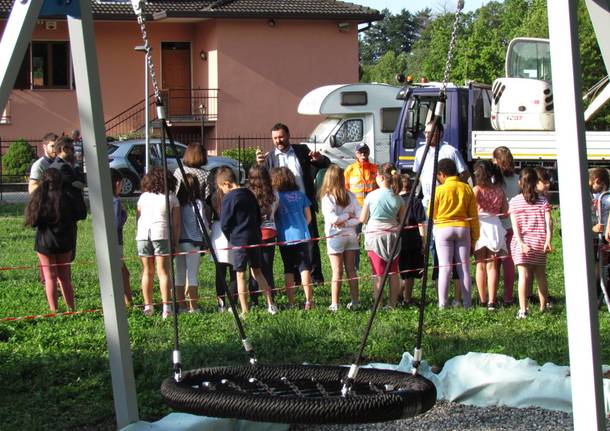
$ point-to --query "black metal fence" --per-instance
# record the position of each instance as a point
(215, 145)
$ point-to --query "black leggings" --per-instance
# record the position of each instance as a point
(267, 256)
(221, 274)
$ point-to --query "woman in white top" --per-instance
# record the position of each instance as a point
(341, 216)
(152, 236)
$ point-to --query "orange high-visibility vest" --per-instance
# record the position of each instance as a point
(360, 179)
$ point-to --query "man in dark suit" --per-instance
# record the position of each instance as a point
(304, 164)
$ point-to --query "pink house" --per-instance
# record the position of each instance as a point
(247, 62)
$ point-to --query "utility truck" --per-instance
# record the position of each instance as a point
(516, 111)
(355, 114)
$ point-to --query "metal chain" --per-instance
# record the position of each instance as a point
(138, 8)
(449, 63)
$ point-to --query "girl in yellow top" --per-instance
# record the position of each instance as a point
(456, 229)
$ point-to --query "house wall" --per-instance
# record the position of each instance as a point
(265, 71)
(36, 112)
(261, 72)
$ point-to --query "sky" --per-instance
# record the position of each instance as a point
(396, 6)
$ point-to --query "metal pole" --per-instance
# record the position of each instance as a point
(142, 48)
(202, 112)
(88, 95)
(579, 276)
(146, 118)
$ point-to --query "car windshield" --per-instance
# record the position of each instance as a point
(322, 130)
(112, 148)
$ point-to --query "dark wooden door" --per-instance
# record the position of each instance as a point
(176, 76)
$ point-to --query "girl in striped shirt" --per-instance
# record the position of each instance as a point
(530, 215)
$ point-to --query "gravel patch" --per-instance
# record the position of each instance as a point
(453, 416)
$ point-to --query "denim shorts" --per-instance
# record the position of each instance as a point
(149, 248)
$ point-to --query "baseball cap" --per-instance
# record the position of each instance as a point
(362, 148)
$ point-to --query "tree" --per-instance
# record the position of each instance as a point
(394, 33)
(429, 54)
(18, 159)
(481, 56)
(386, 69)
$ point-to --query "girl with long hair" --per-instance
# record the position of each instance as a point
(503, 159)
(152, 236)
(382, 211)
(491, 201)
(259, 183)
(341, 216)
(190, 244)
(54, 210)
(292, 218)
(530, 214)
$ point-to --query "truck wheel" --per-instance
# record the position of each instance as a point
(129, 184)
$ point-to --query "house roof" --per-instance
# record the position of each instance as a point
(287, 9)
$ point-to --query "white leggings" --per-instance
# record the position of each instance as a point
(187, 265)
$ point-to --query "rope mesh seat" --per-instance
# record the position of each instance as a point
(299, 394)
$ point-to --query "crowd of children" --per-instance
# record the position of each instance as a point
(467, 221)
(504, 221)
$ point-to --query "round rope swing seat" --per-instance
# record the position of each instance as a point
(306, 394)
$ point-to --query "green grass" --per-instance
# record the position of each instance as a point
(55, 372)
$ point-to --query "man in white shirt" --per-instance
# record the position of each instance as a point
(304, 164)
(446, 151)
(43, 163)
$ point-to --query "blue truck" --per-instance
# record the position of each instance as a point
(467, 108)
(468, 119)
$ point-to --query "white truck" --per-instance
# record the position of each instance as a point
(515, 112)
(355, 114)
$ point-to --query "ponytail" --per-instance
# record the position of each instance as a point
(391, 177)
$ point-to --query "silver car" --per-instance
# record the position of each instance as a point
(127, 157)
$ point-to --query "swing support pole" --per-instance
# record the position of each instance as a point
(15, 40)
(579, 278)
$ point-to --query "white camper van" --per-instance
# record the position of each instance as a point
(355, 114)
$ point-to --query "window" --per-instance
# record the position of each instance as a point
(354, 98)
(350, 131)
(46, 65)
(169, 151)
(419, 113)
(389, 118)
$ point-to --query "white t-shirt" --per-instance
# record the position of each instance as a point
(334, 213)
(446, 151)
(153, 224)
(290, 160)
(38, 168)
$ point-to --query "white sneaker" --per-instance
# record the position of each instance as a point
(333, 308)
(353, 305)
(272, 309)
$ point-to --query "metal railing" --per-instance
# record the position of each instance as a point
(181, 104)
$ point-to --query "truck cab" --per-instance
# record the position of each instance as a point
(466, 108)
(355, 114)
